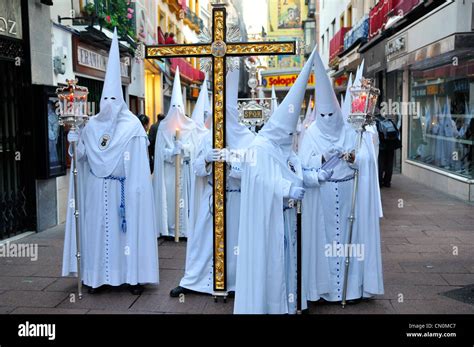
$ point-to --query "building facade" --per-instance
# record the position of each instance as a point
(419, 53)
(285, 22)
(47, 44)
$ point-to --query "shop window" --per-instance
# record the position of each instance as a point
(441, 122)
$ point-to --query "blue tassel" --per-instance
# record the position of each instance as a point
(124, 225)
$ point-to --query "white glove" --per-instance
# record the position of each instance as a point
(178, 147)
(324, 175)
(225, 154)
(330, 153)
(213, 154)
(73, 136)
(296, 193)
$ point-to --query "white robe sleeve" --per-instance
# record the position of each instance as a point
(200, 166)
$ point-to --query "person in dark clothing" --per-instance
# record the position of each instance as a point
(152, 138)
(145, 120)
(170, 39)
(389, 138)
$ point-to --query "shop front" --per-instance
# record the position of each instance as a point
(439, 103)
(89, 65)
(282, 80)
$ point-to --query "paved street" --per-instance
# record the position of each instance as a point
(427, 245)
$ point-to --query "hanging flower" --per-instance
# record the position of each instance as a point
(129, 16)
(107, 18)
(130, 10)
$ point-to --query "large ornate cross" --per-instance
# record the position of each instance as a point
(218, 50)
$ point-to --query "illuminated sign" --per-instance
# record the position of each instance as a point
(284, 80)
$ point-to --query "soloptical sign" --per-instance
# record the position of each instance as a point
(284, 81)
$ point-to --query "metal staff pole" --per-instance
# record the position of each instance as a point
(298, 256)
(363, 101)
(76, 217)
(72, 108)
(351, 222)
(177, 194)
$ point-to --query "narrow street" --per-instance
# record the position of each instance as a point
(427, 246)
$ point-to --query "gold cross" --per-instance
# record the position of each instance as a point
(218, 50)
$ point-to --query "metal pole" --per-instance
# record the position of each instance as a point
(351, 222)
(77, 219)
(298, 257)
(177, 194)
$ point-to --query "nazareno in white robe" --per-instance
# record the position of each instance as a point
(164, 177)
(326, 208)
(266, 264)
(199, 271)
(110, 254)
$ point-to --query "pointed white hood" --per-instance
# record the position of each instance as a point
(346, 105)
(207, 113)
(106, 134)
(359, 72)
(200, 107)
(274, 104)
(237, 135)
(111, 101)
(329, 124)
(282, 124)
(176, 118)
(309, 111)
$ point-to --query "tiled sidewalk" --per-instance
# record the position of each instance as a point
(427, 245)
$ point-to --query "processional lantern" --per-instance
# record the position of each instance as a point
(363, 101)
(72, 104)
(73, 113)
(364, 98)
(253, 111)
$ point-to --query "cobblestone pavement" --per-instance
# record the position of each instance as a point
(427, 245)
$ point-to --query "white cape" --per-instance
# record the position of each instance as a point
(112, 255)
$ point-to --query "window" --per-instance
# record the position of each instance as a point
(349, 16)
(341, 21)
(441, 122)
(333, 28)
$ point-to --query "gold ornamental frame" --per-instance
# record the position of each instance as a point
(218, 50)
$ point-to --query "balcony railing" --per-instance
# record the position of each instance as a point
(359, 32)
(192, 20)
(402, 7)
(336, 45)
(384, 9)
(186, 70)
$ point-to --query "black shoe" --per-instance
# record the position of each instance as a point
(387, 185)
(91, 290)
(354, 301)
(176, 292)
(136, 289)
(231, 294)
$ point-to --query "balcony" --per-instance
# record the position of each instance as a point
(192, 20)
(359, 33)
(176, 6)
(336, 45)
(402, 7)
(384, 9)
(186, 70)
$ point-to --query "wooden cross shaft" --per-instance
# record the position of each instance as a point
(218, 50)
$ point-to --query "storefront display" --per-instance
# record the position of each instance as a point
(441, 132)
